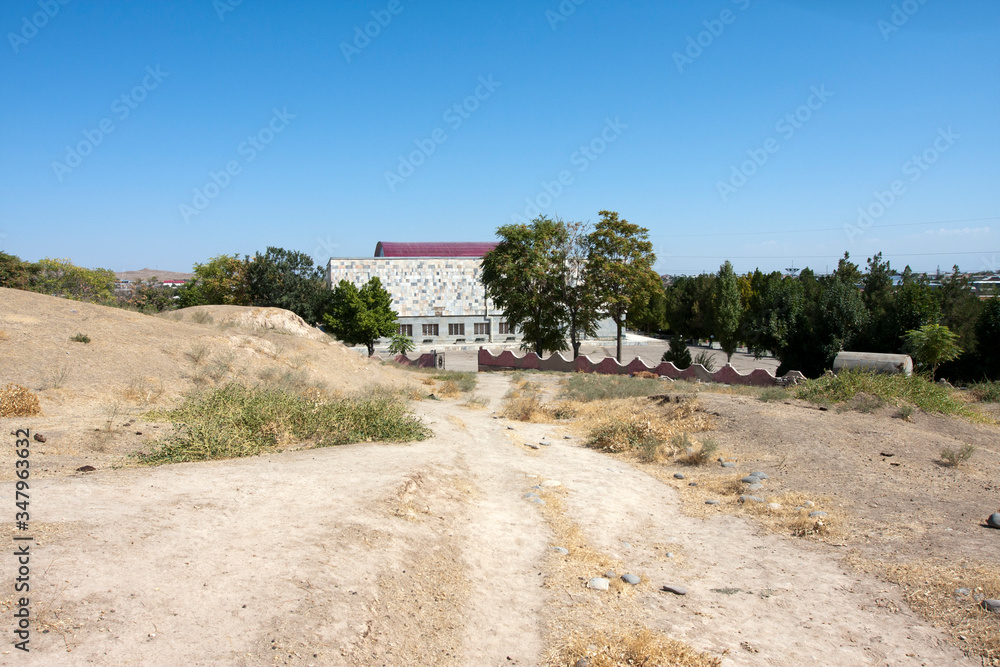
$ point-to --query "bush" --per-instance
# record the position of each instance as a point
(235, 421)
(522, 402)
(706, 359)
(80, 338)
(897, 390)
(17, 401)
(986, 392)
(618, 436)
(696, 456)
(953, 458)
(773, 394)
(678, 353)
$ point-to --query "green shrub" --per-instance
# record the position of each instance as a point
(953, 458)
(706, 359)
(678, 353)
(773, 394)
(620, 435)
(235, 421)
(80, 338)
(986, 392)
(897, 390)
(462, 382)
(905, 412)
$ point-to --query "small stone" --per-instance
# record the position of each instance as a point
(583, 662)
(545, 444)
(567, 437)
(728, 464)
(39, 437)
(711, 502)
(992, 605)
(529, 496)
(138, 432)
(676, 590)
(560, 550)
(86, 469)
(745, 498)
(598, 584)
(551, 482)
(809, 503)
(692, 483)
(992, 522)
(531, 445)
(963, 591)
(510, 428)
(760, 475)
(610, 574)
(626, 545)
(773, 506)
(538, 501)
(631, 579)
(816, 515)
(756, 486)
(750, 479)
(678, 475)
(670, 554)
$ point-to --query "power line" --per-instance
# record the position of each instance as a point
(822, 229)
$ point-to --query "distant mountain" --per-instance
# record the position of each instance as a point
(146, 274)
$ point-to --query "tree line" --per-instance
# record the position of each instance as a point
(805, 320)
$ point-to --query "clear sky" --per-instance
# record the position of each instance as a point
(770, 132)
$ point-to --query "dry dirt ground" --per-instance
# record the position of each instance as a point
(429, 553)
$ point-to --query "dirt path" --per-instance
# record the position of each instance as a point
(426, 554)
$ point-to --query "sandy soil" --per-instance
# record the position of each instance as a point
(428, 553)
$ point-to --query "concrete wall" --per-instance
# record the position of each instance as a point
(508, 360)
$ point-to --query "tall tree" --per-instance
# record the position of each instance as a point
(727, 309)
(287, 279)
(621, 267)
(361, 317)
(577, 296)
(933, 344)
(220, 280)
(988, 339)
(525, 277)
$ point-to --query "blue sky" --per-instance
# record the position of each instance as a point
(772, 132)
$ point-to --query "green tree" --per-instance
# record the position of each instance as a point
(526, 279)
(219, 281)
(621, 268)
(727, 310)
(578, 298)
(13, 271)
(287, 279)
(60, 277)
(149, 296)
(688, 310)
(361, 317)
(678, 354)
(932, 345)
(401, 344)
(988, 339)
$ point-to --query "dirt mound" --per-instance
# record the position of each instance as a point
(135, 362)
(251, 318)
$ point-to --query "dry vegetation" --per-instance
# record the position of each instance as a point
(17, 401)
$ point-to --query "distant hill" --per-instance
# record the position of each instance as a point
(146, 274)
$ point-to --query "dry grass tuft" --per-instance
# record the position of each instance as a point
(625, 425)
(144, 390)
(956, 457)
(523, 402)
(476, 402)
(635, 645)
(17, 401)
(930, 588)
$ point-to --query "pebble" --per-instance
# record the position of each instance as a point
(567, 437)
(748, 498)
(510, 428)
(774, 506)
(538, 501)
(626, 545)
(676, 590)
(809, 503)
(560, 550)
(631, 579)
(750, 479)
(678, 475)
(610, 574)
(711, 502)
(532, 445)
(598, 584)
(761, 475)
(692, 483)
(963, 591)
(994, 520)
(756, 486)
(530, 495)
(583, 662)
(670, 554)
(39, 437)
(992, 605)
(815, 515)
(545, 444)
(728, 464)
(551, 482)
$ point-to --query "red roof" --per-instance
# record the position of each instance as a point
(394, 249)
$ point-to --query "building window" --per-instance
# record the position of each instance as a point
(456, 329)
(481, 328)
(406, 330)
(429, 329)
(505, 328)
